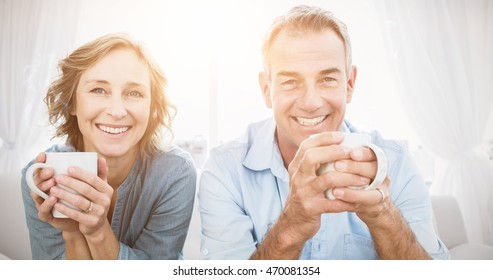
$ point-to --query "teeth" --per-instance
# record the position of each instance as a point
(113, 130)
(314, 121)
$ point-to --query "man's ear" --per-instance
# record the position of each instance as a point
(351, 82)
(263, 80)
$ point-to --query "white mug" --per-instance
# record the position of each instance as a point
(60, 162)
(356, 140)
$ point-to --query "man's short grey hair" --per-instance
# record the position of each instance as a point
(301, 19)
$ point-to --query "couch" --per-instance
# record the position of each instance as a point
(449, 225)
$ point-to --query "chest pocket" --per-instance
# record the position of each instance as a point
(357, 247)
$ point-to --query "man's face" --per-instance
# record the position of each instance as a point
(307, 85)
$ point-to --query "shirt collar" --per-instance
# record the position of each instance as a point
(264, 152)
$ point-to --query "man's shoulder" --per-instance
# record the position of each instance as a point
(394, 146)
(391, 145)
(241, 144)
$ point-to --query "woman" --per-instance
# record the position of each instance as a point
(110, 99)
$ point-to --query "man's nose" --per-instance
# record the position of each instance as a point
(311, 99)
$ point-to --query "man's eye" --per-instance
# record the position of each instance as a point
(289, 84)
(98, 90)
(327, 80)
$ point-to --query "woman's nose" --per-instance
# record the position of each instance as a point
(116, 108)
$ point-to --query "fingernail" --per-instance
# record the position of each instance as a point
(71, 170)
(365, 180)
(340, 165)
(338, 193)
(357, 154)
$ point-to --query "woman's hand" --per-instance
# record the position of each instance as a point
(93, 197)
(43, 178)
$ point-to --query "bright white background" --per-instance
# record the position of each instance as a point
(210, 53)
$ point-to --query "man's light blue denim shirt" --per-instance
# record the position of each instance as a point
(244, 185)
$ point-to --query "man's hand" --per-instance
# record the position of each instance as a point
(306, 202)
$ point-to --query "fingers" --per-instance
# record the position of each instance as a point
(85, 182)
(314, 157)
(334, 179)
(81, 216)
(364, 197)
(318, 149)
(88, 188)
(44, 206)
(366, 169)
(102, 168)
(75, 199)
(43, 177)
(363, 154)
(40, 158)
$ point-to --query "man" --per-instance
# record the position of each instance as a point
(260, 196)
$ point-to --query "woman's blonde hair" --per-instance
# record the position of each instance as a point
(61, 95)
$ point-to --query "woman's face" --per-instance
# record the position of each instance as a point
(113, 103)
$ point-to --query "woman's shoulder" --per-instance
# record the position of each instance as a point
(172, 168)
(173, 158)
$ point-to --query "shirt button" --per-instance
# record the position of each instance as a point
(205, 251)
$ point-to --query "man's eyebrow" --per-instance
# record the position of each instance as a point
(288, 73)
(321, 73)
(330, 71)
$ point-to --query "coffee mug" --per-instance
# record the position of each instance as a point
(357, 140)
(60, 162)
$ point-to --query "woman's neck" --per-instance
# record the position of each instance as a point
(119, 167)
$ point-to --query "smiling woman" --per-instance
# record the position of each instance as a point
(110, 99)
(117, 86)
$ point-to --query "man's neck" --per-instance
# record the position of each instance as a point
(287, 150)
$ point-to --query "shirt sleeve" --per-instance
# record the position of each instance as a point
(227, 230)
(166, 229)
(410, 194)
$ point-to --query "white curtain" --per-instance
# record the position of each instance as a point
(442, 54)
(33, 36)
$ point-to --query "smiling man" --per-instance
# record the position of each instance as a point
(260, 196)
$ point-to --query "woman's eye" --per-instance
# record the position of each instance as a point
(98, 90)
(135, 94)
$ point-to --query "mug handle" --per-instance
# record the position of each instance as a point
(382, 164)
(30, 180)
(382, 170)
